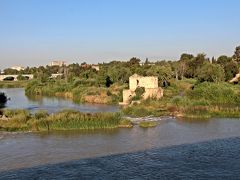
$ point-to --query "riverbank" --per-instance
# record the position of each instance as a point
(183, 99)
(13, 84)
(187, 99)
(23, 120)
(78, 91)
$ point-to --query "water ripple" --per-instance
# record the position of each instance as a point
(217, 159)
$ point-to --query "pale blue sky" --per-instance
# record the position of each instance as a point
(34, 32)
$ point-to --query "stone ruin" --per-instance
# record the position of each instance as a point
(150, 83)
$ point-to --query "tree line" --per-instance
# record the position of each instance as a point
(200, 67)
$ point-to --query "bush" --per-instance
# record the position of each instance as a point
(215, 93)
(22, 78)
(139, 92)
(70, 119)
(3, 99)
(41, 114)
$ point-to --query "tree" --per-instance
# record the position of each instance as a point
(22, 78)
(186, 57)
(42, 74)
(231, 69)
(195, 64)
(146, 61)
(223, 60)
(119, 74)
(210, 72)
(236, 55)
(134, 61)
(11, 71)
(213, 60)
(3, 99)
(164, 73)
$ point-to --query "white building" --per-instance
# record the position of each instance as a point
(57, 63)
(18, 68)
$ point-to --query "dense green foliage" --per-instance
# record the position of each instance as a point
(3, 99)
(187, 98)
(139, 92)
(13, 84)
(22, 120)
(193, 85)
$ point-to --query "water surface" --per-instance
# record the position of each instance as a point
(172, 150)
(217, 159)
(33, 149)
(20, 101)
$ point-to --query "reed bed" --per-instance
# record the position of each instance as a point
(22, 120)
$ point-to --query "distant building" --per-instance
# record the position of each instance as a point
(18, 68)
(57, 63)
(150, 83)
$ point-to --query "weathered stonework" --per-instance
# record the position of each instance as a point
(236, 79)
(150, 83)
(141, 81)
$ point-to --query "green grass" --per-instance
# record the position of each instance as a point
(76, 91)
(148, 124)
(126, 123)
(189, 100)
(22, 120)
(70, 120)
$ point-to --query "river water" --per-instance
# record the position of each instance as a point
(175, 149)
(18, 100)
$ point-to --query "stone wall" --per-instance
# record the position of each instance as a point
(140, 81)
(150, 83)
(153, 93)
(127, 95)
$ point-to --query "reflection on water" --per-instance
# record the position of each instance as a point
(33, 149)
(25, 150)
(218, 159)
(52, 104)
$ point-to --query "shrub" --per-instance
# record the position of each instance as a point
(3, 99)
(214, 93)
(139, 92)
(41, 114)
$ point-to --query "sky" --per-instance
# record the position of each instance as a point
(35, 32)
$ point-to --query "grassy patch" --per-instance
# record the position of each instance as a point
(186, 99)
(148, 124)
(22, 120)
(126, 123)
(13, 84)
(78, 91)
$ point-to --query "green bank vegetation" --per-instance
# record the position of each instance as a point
(194, 86)
(22, 120)
(190, 99)
(77, 90)
(147, 124)
(13, 84)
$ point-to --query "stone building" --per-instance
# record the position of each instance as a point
(236, 79)
(57, 63)
(150, 83)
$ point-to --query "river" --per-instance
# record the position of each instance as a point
(175, 149)
(18, 100)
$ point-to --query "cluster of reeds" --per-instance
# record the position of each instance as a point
(147, 124)
(68, 119)
(22, 120)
